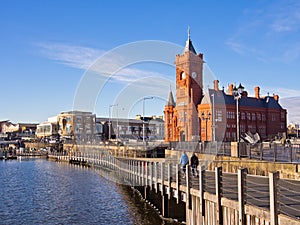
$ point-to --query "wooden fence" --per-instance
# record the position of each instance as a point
(212, 197)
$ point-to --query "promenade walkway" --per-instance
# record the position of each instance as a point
(211, 198)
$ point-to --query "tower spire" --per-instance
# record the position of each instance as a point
(170, 101)
(189, 46)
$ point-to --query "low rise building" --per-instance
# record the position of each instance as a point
(77, 125)
(17, 130)
(47, 129)
(131, 128)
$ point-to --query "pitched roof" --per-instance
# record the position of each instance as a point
(220, 97)
(188, 45)
(170, 101)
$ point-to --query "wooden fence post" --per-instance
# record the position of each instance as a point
(156, 177)
(187, 177)
(169, 181)
(218, 178)
(140, 165)
(143, 173)
(178, 183)
(201, 190)
(241, 195)
(162, 175)
(273, 186)
(165, 201)
(151, 176)
(146, 169)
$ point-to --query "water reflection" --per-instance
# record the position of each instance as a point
(44, 192)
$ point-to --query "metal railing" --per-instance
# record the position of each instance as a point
(261, 151)
(256, 191)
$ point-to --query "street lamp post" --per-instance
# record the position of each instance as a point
(237, 95)
(206, 118)
(109, 120)
(237, 118)
(145, 98)
(213, 118)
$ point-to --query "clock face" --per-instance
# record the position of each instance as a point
(194, 74)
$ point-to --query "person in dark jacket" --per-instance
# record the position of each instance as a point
(194, 164)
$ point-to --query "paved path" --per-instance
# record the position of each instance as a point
(257, 191)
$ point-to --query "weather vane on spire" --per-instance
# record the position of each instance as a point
(189, 31)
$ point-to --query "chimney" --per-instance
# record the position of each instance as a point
(276, 97)
(230, 89)
(256, 90)
(216, 85)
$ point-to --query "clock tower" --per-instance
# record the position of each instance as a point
(189, 85)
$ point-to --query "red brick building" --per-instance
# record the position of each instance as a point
(196, 116)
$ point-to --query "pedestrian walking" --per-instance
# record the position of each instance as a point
(184, 161)
(194, 164)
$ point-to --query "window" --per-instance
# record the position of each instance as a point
(233, 135)
(258, 116)
(228, 135)
(248, 116)
(243, 116)
(273, 117)
(88, 119)
(230, 115)
(253, 116)
(182, 75)
(243, 128)
(282, 115)
(78, 119)
(219, 116)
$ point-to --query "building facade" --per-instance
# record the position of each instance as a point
(237, 115)
(46, 129)
(17, 130)
(125, 129)
(216, 114)
(77, 125)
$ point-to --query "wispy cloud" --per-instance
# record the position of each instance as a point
(85, 58)
(277, 24)
(282, 92)
(286, 16)
(71, 55)
(133, 74)
(292, 105)
(243, 49)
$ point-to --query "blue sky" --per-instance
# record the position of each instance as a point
(47, 47)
